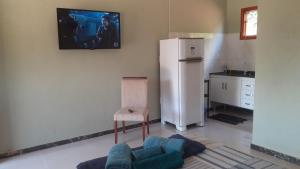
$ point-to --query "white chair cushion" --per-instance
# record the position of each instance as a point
(138, 114)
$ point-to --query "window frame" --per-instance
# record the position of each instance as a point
(243, 23)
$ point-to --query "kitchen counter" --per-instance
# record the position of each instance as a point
(234, 88)
(236, 73)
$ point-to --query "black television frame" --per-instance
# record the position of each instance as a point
(59, 33)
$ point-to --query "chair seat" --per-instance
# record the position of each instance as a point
(138, 114)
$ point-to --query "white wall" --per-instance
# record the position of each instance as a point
(228, 49)
(214, 58)
(237, 54)
(276, 114)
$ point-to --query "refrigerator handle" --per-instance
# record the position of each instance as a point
(199, 59)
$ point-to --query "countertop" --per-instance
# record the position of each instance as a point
(236, 73)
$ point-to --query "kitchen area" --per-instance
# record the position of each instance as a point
(230, 85)
(199, 73)
(210, 75)
(234, 90)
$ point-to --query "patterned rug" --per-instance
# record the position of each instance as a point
(216, 156)
(224, 157)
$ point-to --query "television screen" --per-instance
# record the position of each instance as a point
(85, 29)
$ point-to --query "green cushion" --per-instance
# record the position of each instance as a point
(154, 141)
(147, 153)
(119, 156)
(173, 144)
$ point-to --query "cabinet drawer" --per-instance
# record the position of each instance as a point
(247, 94)
(248, 100)
(248, 84)
(248, 104)
(248, 80)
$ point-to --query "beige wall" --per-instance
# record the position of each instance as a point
(1, 65)
(233, 14)
(197, 15)
(58, 94)
(4, 118)
(276, 115)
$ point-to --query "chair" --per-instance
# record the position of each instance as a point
(134, 104)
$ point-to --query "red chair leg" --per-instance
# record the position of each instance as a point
(116, 132)
(143, 128)
(148, 131)
(123, 126)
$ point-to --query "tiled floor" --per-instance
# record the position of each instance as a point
(68, 156)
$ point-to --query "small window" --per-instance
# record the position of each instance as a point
(249, 23)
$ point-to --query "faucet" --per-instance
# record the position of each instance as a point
(225, 68)
(245, 68)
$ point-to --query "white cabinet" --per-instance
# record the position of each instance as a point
(216, 89)
(232, 85)
(235, 91)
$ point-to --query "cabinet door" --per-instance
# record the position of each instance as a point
(216, 89)
(233, 91)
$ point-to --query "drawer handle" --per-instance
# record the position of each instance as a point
(248, 94)
(248, 85)
(248, 104)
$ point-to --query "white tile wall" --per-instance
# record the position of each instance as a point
(228, 49)
(214, 60)
(239, 54)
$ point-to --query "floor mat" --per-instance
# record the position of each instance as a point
(228, 119)
(225, 157)
(221, 157)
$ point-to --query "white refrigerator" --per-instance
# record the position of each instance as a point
(182, 82)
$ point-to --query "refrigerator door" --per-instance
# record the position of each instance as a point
(191, 89)
(191, 48)
(169, 94)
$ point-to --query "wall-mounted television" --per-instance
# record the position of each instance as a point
(86, 29)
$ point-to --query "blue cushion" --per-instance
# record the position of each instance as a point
(190, 147)
(147, 153)
(173, 144)
(154, 141)
(119, 157)
(171, 160)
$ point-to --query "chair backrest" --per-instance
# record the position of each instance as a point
(135, 92)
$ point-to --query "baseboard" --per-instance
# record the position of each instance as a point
(68, 141)
(276, 154)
